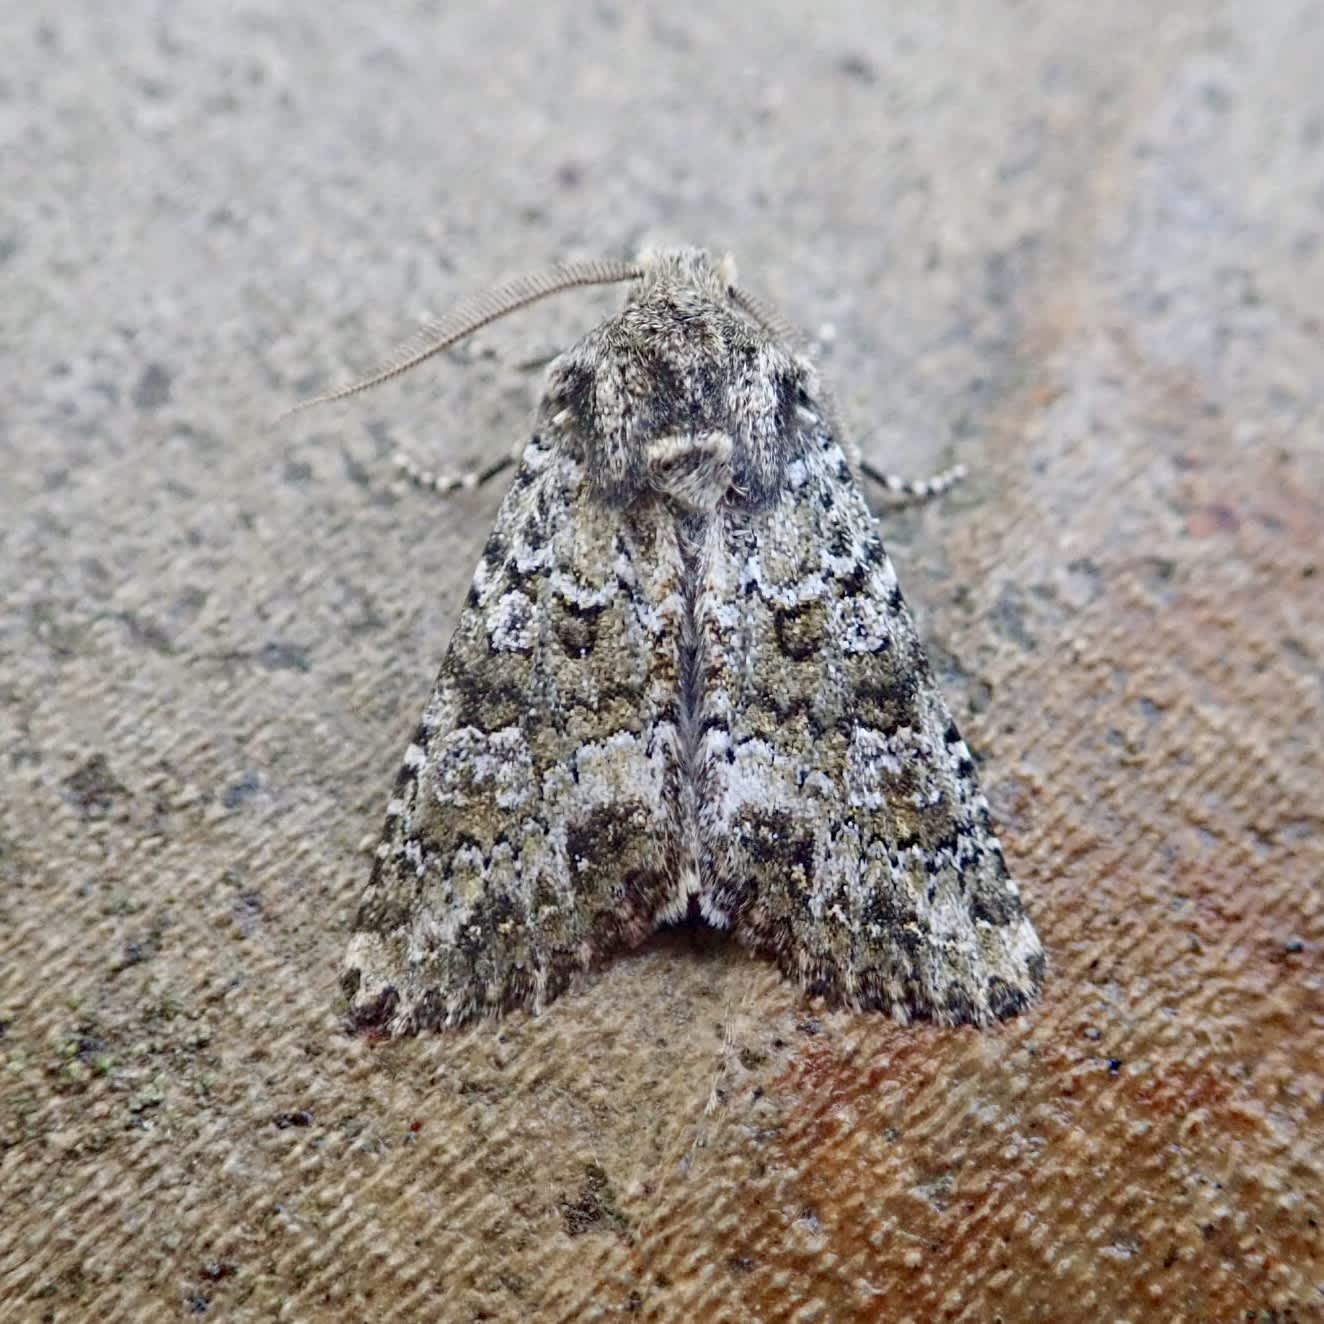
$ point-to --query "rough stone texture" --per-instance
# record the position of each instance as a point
(1077, 247)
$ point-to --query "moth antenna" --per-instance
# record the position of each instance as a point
(767, 316)
(474, 314)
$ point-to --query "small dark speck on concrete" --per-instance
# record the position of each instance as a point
(189, 603)
(283, 1121)
(198, 1304)
(224, 218)
(1149, 709)
(1087, 574)
(215, 1270)
(810, 1027)
(1008, 617)
(201, 439)
(135, 953)
(1001, 278)
(241, 791)
(90, 1047)
(92, 788)
(1114, 1065)
(145, 633)
(247, 911)
(357, 473)
(283, 657)
(594, 1205)
(857, 67)
(153, 388)
(1159, 570)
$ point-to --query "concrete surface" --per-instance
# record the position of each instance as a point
(1077, 247)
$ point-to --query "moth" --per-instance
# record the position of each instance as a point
(684, 682)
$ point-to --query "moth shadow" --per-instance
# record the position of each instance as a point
(690, 939)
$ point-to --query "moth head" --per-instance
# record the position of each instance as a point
(688, 359)
(692, 269)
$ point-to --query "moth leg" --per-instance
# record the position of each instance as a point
(920, 489)
(445, 483)
(916, 489)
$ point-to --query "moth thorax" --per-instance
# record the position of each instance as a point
(692, 468)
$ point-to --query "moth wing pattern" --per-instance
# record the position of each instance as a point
(844, 827)
(528, 831)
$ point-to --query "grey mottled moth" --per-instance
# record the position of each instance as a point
(684, 680)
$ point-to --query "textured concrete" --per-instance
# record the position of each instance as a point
(1077, 247)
